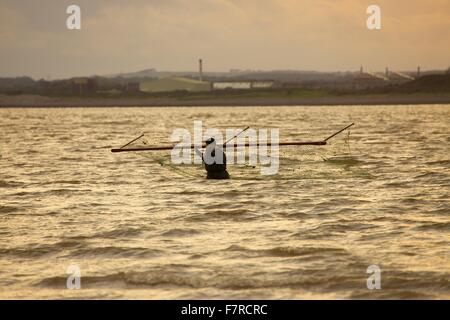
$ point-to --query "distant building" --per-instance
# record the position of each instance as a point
(231, 85)
(368, 81)
(262, 84)
(174, 84)
(242, 85)
(132, 87)
(399, 78)
(84, 85)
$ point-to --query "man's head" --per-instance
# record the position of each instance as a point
(210, 141)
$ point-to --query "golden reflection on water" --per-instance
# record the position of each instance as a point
(139, 229)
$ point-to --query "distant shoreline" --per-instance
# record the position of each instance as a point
(22, 101)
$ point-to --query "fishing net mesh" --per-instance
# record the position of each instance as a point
(295, 162)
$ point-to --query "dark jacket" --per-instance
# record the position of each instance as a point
(217, 170)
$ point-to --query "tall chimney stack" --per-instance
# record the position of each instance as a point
(418, 71)
(200, 69)
(387, 72)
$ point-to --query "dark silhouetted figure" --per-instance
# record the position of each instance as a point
(215, 160)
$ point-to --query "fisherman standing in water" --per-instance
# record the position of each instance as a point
(215, 160)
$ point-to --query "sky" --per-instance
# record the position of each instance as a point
(171, 35)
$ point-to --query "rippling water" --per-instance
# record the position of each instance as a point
(138, 228)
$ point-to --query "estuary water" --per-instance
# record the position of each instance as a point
(137, 227)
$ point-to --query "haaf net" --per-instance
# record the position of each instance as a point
(335, 159)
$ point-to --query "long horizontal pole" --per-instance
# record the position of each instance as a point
(192, 146)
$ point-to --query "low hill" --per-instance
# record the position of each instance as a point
(430, 83)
